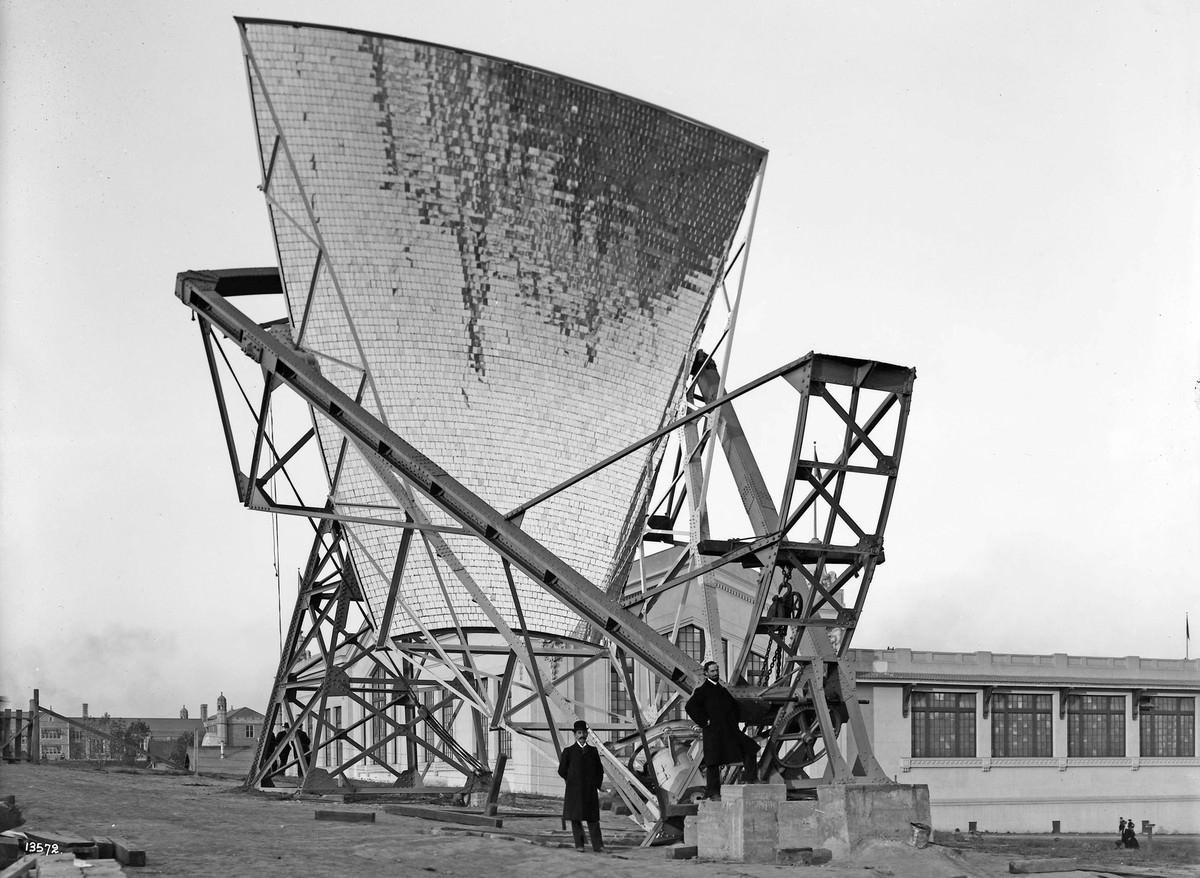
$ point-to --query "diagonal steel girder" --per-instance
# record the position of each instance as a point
(198, 290)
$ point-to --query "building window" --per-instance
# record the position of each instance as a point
(1096, 725)
(504, 742)
(326, 733)
(337, 730)
(756, 670)
(1168, 726)
(379, 728)
(620, 703)
(249, 731)
(403, 712)
(943, 725)
(443, 717)
(1022, 725)
(691, 641)
(332, 734)
(428, 699)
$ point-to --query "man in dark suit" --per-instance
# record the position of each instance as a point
(303, 746)
(580, 767)
(715, 711)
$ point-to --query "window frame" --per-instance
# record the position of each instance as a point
(955, 724)
(690, 638)
(1150, 736)
(755, 671)
(1105, 721)
(620, 700)
(1040, 716)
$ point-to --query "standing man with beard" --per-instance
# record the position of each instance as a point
(715, 711)
(580, 767)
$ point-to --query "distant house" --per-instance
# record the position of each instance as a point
(69, 738)
(63, 739)
(245, 727)
(168, 729)
(239, 728)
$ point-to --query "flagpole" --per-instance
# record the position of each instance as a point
(1187, 638)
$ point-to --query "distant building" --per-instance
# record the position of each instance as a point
(240, 728)
(1028, 743)
(59, 739)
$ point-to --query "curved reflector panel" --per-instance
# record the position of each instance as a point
(509, 267)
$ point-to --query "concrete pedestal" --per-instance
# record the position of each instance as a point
(744, 826)
(753, 823)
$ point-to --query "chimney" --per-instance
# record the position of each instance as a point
(85, 710)
(203, 712)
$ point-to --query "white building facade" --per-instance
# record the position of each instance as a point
(1038, 743)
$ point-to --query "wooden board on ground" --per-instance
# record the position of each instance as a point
(104, 869)
(446, 815)
(57, 836)
(62, 840)
(402, 794)
(104, 847)
(126, 852)
(514, 814)
(347, 816)
(21, 868)
(56, 866)
(1053, 864)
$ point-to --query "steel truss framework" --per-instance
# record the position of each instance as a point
(802, 613)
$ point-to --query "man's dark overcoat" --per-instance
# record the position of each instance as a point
(716, 712)
(580, 767)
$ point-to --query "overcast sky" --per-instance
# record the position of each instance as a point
(1001, 194)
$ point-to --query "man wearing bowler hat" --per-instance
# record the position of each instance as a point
(580, 767)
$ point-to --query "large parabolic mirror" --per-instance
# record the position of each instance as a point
(509, 268)
(495, 282)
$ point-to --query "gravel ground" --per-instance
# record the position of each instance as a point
(208, 826)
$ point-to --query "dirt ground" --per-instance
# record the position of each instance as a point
(207, 826)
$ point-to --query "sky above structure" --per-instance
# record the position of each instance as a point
(1001, 195)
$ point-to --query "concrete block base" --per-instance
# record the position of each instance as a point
(743, 826)
(690, 833)
(756, 824)
(854, 813)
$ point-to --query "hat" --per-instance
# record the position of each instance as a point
(580, 726)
